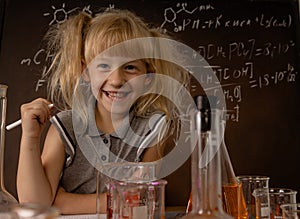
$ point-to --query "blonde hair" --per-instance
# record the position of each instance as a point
(82, 37)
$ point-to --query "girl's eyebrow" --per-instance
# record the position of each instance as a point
(102, 59)
(139, 61)
(115, 61)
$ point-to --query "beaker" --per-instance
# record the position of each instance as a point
(141, 200)
(133, 190)
(262, 203)
(5, 196)
(290, 211)
(249, 184)
(279, 196)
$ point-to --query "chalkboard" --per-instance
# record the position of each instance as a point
(252, 46)
(2, 6)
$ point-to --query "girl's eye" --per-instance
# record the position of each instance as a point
(133, 68)
(130, 67)
(103, 67)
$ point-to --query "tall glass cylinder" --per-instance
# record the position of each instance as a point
(206, 135)
(5, 197)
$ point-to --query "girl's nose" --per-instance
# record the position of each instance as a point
(116, 78)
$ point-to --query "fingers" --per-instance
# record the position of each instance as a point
(37, 110)
(35, 114)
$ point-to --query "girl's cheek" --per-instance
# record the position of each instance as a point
(97, 79)
(96, 86)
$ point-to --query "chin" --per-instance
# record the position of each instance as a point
(119, 110)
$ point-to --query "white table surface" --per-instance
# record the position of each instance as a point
(169, 215)
(83, 216)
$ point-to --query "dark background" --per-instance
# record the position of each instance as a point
(262, 132)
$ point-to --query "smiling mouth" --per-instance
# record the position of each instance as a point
(116, 95)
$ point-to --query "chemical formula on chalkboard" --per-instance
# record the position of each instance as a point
(172, 17)
(286, 75)
(237, 60)
(248, 49)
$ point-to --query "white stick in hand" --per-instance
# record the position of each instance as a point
(16, 123)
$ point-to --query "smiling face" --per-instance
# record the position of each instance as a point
(116, 83)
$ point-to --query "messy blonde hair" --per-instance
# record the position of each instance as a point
(82, 37)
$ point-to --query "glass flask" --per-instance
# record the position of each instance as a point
(206, 134)
(233, 197)
(5, 197)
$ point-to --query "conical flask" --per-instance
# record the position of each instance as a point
(206, 136)
(5, 197)
(233, 198)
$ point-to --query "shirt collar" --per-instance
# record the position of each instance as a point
(92, 129)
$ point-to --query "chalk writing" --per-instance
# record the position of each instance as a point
(226, 73)
(246, 49)
(60, 15)
(234, 61)
(242, 77)
(39, 58)
(272, 21)
(286, 75)
(233, 114)
(188, 22)
(170, 15)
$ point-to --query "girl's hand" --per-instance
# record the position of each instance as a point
(34, 116)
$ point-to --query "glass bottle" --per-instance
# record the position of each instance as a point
(5, 197)
(206, 135)
(233, 197)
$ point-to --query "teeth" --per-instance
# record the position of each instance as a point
(116, 94)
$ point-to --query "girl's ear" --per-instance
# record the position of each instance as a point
(85, 75)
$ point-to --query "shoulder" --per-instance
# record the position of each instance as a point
(65, 115)
(149, 122)
(151, 126)
(63, 119)
(152, 118)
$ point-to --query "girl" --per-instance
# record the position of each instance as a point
(100, 97)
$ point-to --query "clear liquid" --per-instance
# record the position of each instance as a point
(5, 197)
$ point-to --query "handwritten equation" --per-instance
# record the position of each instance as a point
(235, 79)
(248, 49)
(181, 19)
(274, 78)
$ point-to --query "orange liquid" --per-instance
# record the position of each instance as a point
(234, 201)
(189, 205)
